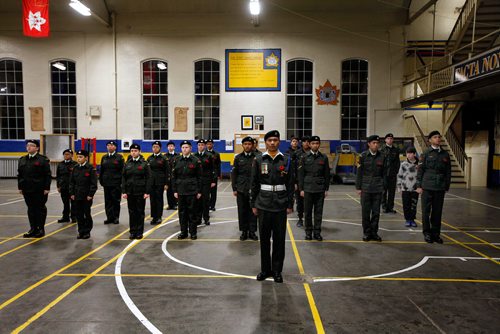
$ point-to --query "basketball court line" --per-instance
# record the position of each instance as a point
(22, 199)
(474, 201)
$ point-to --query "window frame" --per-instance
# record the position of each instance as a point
(152, 129)
(19, 117)
(210, 129)
(297, 131)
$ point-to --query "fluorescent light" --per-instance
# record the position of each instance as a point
(60, 66)
(254, 7)
(161, 66)
(80, 7)
(3, 89)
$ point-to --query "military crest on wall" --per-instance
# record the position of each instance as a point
(327, 94)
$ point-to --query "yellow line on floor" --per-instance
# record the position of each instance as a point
(423, 279)
(83, 280)
(310, 298)
(156, 275)
(470, 235)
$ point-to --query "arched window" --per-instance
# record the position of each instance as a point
(299, 98)
(207, 99)
(11, 99)
(354, 100)
(155, 99)
(63, 82)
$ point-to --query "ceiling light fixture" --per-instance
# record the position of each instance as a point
(80, 7)
(60, 66)
(161, 66)
(254, 7)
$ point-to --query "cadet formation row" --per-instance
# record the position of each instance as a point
(265, 185)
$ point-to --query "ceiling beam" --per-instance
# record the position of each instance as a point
(421, 11)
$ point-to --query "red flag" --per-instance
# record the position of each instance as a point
(36, 18)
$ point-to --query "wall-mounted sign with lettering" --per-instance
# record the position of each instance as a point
(482, 65)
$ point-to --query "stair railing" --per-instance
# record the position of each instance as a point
(464, 162)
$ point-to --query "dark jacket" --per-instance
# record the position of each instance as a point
(83, 182)
(269, 171)
(241, 174)
(208, 174)
(160, 169)
(33, 174)
(217, 162)
(392, 160)
(314, 173)
(63, 174)
(297, 155)
(371, 175)
(186, 175)
(110, 174)
(170, 158)
(136, 178)
(434, 170)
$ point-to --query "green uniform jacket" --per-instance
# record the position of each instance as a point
(391, 159)
(434, 170)
(136, 177)
(208, 174)
(371, 175)
(267, 171)
(241, 174)
(83, 182)
(217, 162)
(160, 169)
(63, 173)
(186, 175)
(297, 155)
(314, 173)
(33, 174)
(110, 174)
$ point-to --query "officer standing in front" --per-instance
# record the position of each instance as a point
(393, 162)
(314, 181)
(272, 190)
(33, 181)
(295, 162)
(110, 178)
(186, 184)
(240, 180)
(370, 180)
(64, 169)
(82, 188)
(208, 181)
(136, 187)
(160, 175)
(217, 168)
(433, 181)
(170, 155)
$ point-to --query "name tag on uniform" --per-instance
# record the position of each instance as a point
(264, 168)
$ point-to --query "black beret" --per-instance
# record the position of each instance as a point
(372, 138)
(170, 143)
(389, 135)
(210, 141)
(112, 142)
(411, 149)
(433, 133)
(315, 138)
(272, 133)
(202, 141)
(186, 142)
(32, 141)
(85, 153)
(247, 139)
(157, 142)
(306, 138)
(135, 147)
(68, 150)
(254, 140)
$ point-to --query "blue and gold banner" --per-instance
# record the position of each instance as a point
(479, 66)
(253, 70)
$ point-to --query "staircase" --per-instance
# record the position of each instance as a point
(482, 32)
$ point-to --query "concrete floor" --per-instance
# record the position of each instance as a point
(108, 284)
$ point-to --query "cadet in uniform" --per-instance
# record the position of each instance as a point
(256, 150)
(160, 175)
(110, 178)
(136, 187)
(82, 188)
(33, 182)
(217, 167)
(294, 146)
(170, 155)
(314, 181)
(186, 184)
(393, 162)
(64, 169)
(370, 180)
(272, 190)
(208, 181)
(240, 180)
(295, 160)
(433, 180)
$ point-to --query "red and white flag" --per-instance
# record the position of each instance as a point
(36, 18)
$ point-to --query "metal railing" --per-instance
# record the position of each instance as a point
(464, 17)
(457, 150)
(413, 129)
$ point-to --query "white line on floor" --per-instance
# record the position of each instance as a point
(22, 199)
(474, 201)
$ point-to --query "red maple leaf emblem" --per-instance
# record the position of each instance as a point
(191, 166)
(87, 174)
(321, 162)
(115, 162)
(139, 168)
(282, 168)
(206, 161)
(37, 163)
